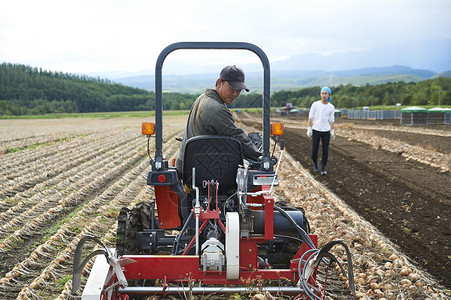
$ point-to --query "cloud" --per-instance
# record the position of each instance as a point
(87, 36)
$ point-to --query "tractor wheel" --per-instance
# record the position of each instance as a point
(122, 224)
(140, 217)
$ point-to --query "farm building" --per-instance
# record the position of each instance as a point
(421, 116)
(439, 115)
(414, 115)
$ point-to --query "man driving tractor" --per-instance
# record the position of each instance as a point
(209, 114)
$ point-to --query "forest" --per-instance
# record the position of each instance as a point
(26, 90)
(428, 92)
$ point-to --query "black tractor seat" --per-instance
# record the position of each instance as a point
(214, 158)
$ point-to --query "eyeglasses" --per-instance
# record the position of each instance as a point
(231, 89)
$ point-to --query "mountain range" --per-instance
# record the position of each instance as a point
(285, 80)
(414, 61)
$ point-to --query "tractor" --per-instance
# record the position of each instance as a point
(215, 228)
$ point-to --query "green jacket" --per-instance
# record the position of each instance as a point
(209, 115)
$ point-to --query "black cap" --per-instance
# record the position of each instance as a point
(235, 77)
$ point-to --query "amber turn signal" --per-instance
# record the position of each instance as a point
(148, 128)
(277, 129)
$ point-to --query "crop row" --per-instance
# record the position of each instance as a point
(82, 199)
(62, 188)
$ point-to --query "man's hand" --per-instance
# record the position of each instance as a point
(332, 134)
(309, 131)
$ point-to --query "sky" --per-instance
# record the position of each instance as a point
(88, 36)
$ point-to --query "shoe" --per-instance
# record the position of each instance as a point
(323, 172)
(315, 167)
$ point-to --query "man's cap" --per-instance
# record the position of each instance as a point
(234, 76)
(326, 89)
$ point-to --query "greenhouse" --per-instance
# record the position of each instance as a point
(414, 115)
(439, 115)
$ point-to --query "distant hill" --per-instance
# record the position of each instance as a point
(442, 74)
(282, 80)
(426, 55)
(26, 90)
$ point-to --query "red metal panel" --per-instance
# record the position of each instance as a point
(185, 268)
(167, 207)
(161, 266)
(268, 205)
(248, 254)
(269, 214)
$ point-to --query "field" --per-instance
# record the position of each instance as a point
(386, 194)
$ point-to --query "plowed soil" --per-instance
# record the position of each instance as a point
(408, 201)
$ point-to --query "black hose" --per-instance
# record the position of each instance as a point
(175, 246)
(148, 150)
(304, 235)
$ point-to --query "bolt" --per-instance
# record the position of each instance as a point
(250, 250)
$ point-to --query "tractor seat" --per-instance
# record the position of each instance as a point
(215, 158)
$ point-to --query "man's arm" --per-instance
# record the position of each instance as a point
(310, 120)
(332, 118)
(224, 125)
(332, 124)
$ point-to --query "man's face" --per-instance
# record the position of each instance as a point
(324, 96)
(227, 94)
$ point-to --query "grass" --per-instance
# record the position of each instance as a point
(52, 230)
(36, 145)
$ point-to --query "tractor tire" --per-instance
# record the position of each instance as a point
(140, 217)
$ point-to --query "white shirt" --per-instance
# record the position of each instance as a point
(322, 114)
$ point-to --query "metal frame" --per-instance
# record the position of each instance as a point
(159, 165)
(188, 272)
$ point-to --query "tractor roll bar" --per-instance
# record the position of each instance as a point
(158, 164)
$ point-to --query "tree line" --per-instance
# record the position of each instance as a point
(428, 92)
(25, 90)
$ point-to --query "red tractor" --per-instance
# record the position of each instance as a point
(215, 228)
